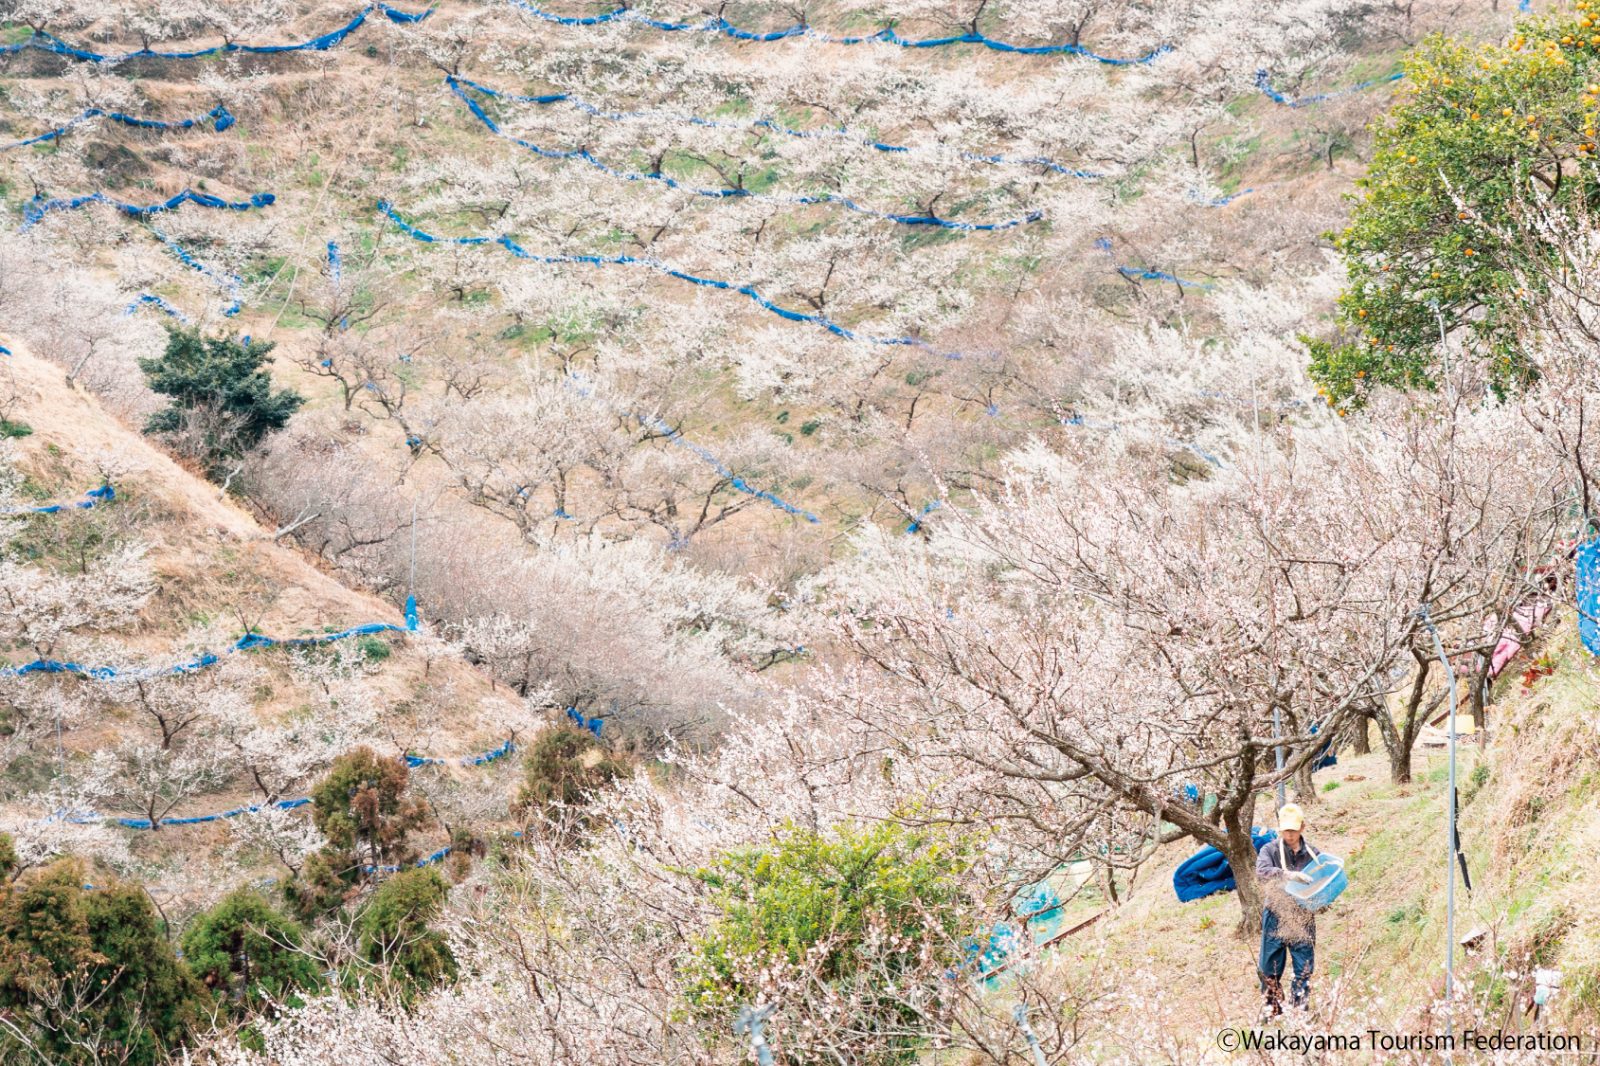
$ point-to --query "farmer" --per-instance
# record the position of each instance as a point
(1288, 932)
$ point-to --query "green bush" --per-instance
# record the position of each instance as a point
(870, 912)
(395, 934)
(88, 976)
(1441, 235)
(362, 809)
(564, 767)
(223, 401)
(9, 428)
(246, 952)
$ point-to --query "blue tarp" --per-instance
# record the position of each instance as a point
(749, 291)
(767, 124)
(221, 120)
(1207, 871)
(103, 494)
(1081, 422)
(248, 642)
(49, 43)
(460, 87)
(38, 207)
(1143, 274)
(231, 284)
(414, 761)
(887, 35)
(1264, 83)
(593, 725)
(1587, 563)
(655, 425)
(145, 299)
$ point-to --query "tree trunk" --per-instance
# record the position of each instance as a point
(1241, 856)
(1305, 789)
(1361, 735)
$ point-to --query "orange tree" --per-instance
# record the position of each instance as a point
(1484, 139)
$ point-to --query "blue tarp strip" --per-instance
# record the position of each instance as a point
(231, 284)
(414, 761)
(103, 494)
(38, 207)
(887, 35)
(222, 120)
(1587, 584)
(767, 124)
(1081, 422)
(583, 155)
(1264, 83)
(48, 43)
(749, 291)
(738, 483)
(247, 642)
(1207, 870)
(1143, 274)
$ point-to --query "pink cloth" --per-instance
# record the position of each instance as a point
(1525, 617)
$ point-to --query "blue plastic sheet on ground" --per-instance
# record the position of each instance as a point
(248, 642)
(1207, 871)
(593, 725)
(45, 42)
(146, 299)
(583, 155)
(763, 124)
(887, 35)
(1587, 562)
(103, 494)
(1144, 274)
(220, 118)
(38, 207)
(749, 291)
(1264, 83)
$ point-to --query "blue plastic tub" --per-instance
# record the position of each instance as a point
(1328, 880)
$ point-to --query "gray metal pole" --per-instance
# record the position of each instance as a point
(1450, 816)
(1277, 733)
(1020, 1013)
(752, 1022)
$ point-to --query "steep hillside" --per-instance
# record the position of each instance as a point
(215, 575)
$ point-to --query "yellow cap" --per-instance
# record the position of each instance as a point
(1290, 816)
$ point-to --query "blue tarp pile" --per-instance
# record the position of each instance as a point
(749, 291)
(767, 124)
(593, 725)
(103, 494)
(219, 115)
(45, 42)
(1587, 563)
(887, 35)
(1207, 871)
(460, 88)
(38, 207)
(146, 299)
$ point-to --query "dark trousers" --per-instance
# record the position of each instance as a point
(1275, 952)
